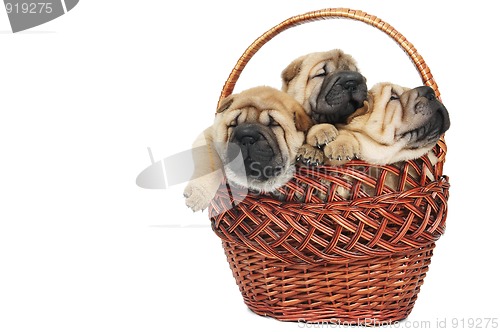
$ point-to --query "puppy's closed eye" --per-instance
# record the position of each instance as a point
(320, 73)
(234, 123)
(272, 122)
(394, 95)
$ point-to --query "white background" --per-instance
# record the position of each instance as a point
(82, 248)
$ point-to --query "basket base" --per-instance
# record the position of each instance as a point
(374, 292)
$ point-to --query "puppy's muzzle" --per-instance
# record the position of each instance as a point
(341, 94)
(437, 120)
(259, 149)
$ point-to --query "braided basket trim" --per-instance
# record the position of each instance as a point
(335, 231)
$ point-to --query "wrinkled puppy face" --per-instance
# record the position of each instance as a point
(327, 84)
(411, 120)
(341, 94)
(425, 118)
(257, 134)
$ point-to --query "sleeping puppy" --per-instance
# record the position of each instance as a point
(314, 81)
(254, 140)
(330, 88)
(395, 124)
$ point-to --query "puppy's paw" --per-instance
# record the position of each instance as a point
(321, 134)
(341, 151)
(197, 197)
(309, 155)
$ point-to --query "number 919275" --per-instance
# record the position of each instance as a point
(29, 8)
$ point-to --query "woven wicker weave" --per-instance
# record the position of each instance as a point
(309, 254)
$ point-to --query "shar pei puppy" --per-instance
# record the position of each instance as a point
(254, 140)
(395, 124)
(330, 88)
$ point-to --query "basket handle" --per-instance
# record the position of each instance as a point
(356, 15)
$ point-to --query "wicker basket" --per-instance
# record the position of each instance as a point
(312, 255)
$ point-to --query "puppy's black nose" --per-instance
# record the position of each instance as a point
(247, 134)
(351, 86)
(341, 94)
(259, 149)
(247, 140)
(427, 92)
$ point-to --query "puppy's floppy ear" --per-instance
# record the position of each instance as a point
(292, 70)
(225, 104)
(302, 121)
(360, 111)
(345, 61)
